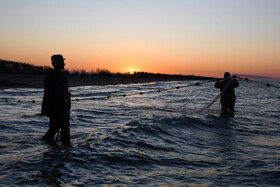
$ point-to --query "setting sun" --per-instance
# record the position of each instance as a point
(131, 71)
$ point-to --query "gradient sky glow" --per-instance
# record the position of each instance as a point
(200, 37)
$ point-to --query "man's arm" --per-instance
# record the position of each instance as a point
(235, 82)
(218, 83)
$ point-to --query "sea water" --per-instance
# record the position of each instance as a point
(158, 138)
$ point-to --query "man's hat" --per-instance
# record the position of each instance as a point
(57, 57)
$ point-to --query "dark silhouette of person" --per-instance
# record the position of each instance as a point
(228, 97)
(56, 102)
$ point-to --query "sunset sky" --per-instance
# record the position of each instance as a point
(199, 37)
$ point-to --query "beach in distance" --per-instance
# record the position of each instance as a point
(36, 81)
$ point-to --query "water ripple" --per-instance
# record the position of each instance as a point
(154, 139)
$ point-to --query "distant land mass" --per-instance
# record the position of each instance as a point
(259, 78)
(11, 67)
(18, 74)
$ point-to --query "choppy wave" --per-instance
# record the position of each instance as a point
(154, 139)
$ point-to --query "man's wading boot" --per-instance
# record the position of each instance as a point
(65, 135)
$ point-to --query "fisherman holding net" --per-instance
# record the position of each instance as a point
(228, 97)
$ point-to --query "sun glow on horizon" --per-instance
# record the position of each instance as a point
(131, 71)
(168, 37)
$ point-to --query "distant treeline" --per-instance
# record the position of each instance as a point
(11, 67)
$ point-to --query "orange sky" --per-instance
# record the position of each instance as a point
(175, 37)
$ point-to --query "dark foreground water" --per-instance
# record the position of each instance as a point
(154, 139)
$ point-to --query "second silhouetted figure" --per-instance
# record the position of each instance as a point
(228, 97)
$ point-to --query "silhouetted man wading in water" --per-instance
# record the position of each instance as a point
(228, 97)
(56, 102)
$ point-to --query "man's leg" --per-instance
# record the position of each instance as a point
(224, 107)
(231, 108)
(65, 129)
(231, 105)
(53, 128)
